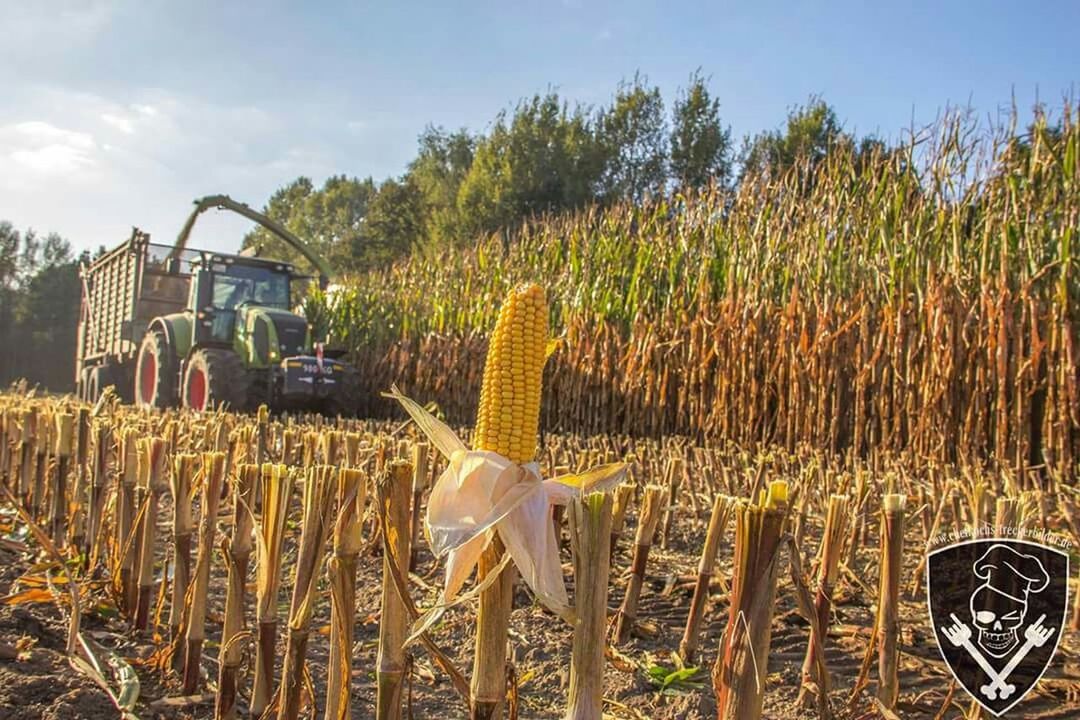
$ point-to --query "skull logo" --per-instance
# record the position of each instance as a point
(999, 606)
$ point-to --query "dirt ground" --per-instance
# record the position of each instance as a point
(36, 680)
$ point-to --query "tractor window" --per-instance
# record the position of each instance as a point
(257, 286)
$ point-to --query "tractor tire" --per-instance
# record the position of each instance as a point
(346, 398)
(215, 378)
(155, 373)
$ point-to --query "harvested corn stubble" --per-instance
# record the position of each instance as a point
(341, 570)
(315, 526)
(742, 664)
(275, 483)
(212, 476)
(393, 498)
(236, 552)
(651, 509)
(888, 623)
(718, 521)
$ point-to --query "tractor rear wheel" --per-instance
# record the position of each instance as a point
(214, 378)
(155, 373)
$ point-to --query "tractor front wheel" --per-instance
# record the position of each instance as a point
(155, 372)
(214, 378)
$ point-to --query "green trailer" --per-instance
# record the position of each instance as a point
(174, 326)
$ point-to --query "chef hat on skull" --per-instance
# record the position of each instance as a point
(1011, 573)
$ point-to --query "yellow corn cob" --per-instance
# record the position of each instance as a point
(513, 374)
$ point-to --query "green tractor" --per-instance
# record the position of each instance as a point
(203, 329)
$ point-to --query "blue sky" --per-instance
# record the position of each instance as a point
(116, 113)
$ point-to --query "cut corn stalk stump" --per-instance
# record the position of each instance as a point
(351, 499)
(236, 553)
(315, 524)
(651, 508)
(213, 479)
(393, 497)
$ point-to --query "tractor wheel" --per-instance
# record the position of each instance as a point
(214, 378)
(155, 373)
(345, 401)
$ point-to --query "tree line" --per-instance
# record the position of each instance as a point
(39, 308)
(542, 156)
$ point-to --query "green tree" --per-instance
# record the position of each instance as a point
(39, 307)
(700, 144)
(283, 206)
(10, 242)
(395, 219)
(808, 134)
(543, 158)
(329, 219)
(633, 136)
(442, 161)
(332, 220)
(50, 315)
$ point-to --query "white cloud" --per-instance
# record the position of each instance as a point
(90, 167)
(119, 122)
(36, 130)
(45, 149)
(52, 159)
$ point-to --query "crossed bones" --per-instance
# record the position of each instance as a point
(1035, 635)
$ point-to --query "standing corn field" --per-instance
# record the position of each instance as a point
(877, 304)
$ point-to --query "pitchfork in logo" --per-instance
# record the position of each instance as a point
(1035, 635)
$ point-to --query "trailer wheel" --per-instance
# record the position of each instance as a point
(214, 378)
(155, 373)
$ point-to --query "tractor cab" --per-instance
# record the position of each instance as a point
(227, 291)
